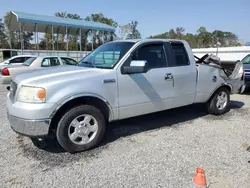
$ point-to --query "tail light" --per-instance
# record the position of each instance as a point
(5, 72)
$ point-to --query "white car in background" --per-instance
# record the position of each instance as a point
(35, 62)
(16, 60)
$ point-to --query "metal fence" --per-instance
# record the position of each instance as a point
(227, 53)
(77, 55)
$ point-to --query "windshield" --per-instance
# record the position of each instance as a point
(106, 55)
(246, 60)
(29, 61)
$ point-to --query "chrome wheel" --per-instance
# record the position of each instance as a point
(222, 100)
(83, 129)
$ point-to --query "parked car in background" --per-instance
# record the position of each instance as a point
(118, 80)
(15, 60)
(33, 63)
(246, 64)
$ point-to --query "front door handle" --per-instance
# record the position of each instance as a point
(169, 76)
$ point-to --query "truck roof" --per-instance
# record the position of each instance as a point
(148, 40)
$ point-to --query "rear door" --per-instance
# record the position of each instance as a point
(184, 74)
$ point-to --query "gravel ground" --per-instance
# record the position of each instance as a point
(154, 151)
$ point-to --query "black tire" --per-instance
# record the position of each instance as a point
(211, 104)
(64, 123)
(40, 143)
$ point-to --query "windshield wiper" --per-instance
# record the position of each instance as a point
(88, 63)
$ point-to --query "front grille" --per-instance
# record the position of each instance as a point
(13, 88)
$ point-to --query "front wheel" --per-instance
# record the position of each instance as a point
(81, 128)
(219, 103)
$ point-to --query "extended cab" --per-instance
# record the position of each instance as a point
(118, 80)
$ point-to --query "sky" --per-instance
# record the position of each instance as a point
(154, 17)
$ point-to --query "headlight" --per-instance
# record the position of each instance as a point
(31, 94)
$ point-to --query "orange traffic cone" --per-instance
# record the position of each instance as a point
(200, 178)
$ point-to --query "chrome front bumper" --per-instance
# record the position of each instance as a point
(30, 128)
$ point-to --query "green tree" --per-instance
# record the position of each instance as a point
(101, 37)
(180, 32)
(3, 36)
(124, 31)
(161, 36)
(134, 32)
(203, 38)
(191, 39)
(15, 35)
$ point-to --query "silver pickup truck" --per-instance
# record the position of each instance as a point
(118, 80)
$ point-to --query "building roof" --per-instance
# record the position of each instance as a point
(44, 22)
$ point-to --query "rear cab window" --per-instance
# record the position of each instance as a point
(180, 56)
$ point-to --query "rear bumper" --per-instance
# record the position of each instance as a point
(6, 79)
(30, 128)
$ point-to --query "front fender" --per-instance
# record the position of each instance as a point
(67, 99)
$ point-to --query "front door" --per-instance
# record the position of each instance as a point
(147, 92)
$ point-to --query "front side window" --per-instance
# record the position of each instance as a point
(180, 54)
(154, 55)
(246, 60)
(68, 61)
(107, 55)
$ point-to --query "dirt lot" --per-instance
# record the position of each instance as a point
(155, 151)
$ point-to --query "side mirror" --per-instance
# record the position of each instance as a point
(136, 67)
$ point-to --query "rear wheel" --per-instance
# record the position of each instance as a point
(81, 128)
(219, 102)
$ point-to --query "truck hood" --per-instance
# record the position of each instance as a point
(51, 74)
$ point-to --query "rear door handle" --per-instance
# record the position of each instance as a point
(169, 76)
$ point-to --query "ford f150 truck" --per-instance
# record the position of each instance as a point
(118, 80)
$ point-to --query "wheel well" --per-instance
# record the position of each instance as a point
(223, 86)
(96, 102)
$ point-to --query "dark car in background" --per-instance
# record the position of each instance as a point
(246, 63)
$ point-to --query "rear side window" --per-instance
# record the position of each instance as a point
(180, 54)
(17, 60)
(50, 62)
(29, 61)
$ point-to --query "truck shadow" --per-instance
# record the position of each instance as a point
(165, 119)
